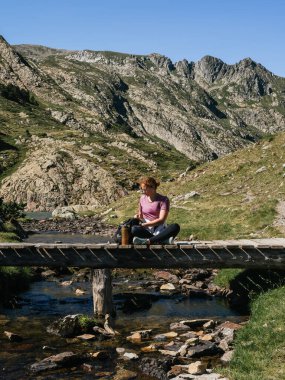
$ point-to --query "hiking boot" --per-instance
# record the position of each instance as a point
(140, 241)
(168, 241)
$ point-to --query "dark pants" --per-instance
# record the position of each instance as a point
(171, 230)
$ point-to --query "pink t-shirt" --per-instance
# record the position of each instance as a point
(151, 210)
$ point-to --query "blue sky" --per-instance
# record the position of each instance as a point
(228, 29)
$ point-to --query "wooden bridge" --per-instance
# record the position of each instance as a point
(256, 253)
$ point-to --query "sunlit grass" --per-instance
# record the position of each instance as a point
(260, 345)
(8, 237)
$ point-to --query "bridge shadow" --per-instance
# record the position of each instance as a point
(247, 285)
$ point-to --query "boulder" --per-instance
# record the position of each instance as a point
(178, 326)
(195, 323)
(227, 357)
(67, 327)
(164, 275)
(157, 368)
(64, 213)
(197, 368)
(205, 349)
(62, 360)
(167, 287)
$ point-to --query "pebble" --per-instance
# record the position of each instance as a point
(13, 337)
(130, 356)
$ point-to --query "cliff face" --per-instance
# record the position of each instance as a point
(57, 173)
(133, 111)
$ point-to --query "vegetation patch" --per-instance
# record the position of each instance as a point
(260, 345)
(87, 323)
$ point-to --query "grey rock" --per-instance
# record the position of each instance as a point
(227, 357)
(62, 360)
(205, 349)
(66, 327)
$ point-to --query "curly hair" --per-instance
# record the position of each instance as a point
(149, 181)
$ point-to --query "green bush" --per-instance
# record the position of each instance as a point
(11, 210)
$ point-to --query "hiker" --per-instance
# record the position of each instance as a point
(152, 213)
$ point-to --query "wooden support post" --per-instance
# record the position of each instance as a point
(102, 292)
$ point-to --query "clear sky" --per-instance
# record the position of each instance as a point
(228, 29)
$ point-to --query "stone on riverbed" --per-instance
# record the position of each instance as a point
(130, 356)
(157, 368)
(167, 287)
(179, 326)
(124, 374)
(164, 275)
(120, 350)
(165, 336)
(205, 349)
(79, 292)
(151, 348)
(67, 327)
(195, 323)
(227, 357)
(13, 337)
(62, 360)
(197, 368)
(86, 337)
(100, 355)
(138, 336)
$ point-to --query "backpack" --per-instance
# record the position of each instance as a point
(129, 223)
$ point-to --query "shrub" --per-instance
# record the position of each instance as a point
(11, 210)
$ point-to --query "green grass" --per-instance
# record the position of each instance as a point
(225, 276)
(6, 237)
(260, 345)
(86, 322)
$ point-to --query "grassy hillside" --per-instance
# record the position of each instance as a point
(238, 194)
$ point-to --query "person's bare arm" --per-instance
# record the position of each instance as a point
(139, 215)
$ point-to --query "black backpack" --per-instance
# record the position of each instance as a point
(129, 223)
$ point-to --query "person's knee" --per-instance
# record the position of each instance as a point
(176, 227)
(134, 230)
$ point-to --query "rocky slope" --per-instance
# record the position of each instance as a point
(133, 114)
(63, 174)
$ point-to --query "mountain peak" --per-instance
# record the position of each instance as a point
(209, 69)
(161, 61)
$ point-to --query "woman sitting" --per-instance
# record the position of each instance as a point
(153, 212)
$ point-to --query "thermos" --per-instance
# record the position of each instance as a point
(125, 235)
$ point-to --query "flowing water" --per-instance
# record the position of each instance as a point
(47, 301)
